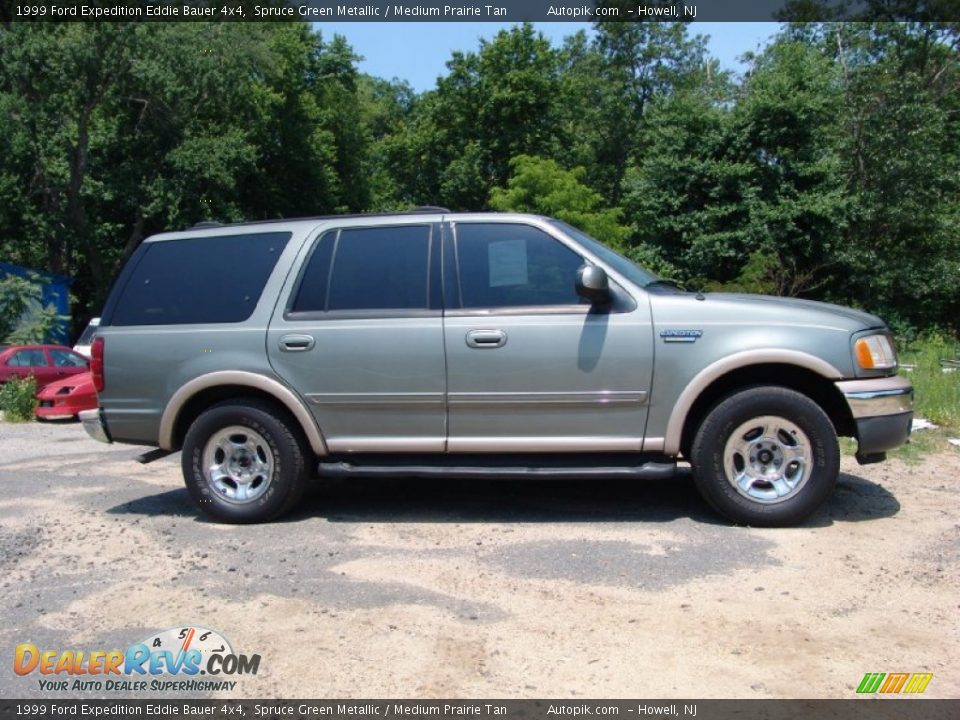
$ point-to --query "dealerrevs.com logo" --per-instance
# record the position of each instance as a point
(188, 659)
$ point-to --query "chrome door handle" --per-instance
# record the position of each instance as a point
(486, 338)
(297, 343)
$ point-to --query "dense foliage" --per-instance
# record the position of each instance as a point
(24, 319)
(18, 399)
(831, 169)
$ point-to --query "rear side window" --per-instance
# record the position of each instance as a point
(199, 280)
(385, 268)
(87, 337)
(28, 358)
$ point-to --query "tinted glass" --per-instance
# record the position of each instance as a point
(87, 337)
(505, 265)
(62, 358)
(628, 268)
(28, 358)
(380, 268)
(312, 294)
(199, 280)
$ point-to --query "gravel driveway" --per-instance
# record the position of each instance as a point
(484, 589)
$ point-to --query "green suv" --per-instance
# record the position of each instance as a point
(459, 345)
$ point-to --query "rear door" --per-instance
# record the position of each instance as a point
(31, 362)
(530, 365)
(359, 333)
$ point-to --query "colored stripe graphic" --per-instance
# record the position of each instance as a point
(894, 682)
(187, 640)
(918, 682)
(870, 682)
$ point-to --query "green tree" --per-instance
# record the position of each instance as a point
(899, 137)
(493, 104)
(23, 317)
(639, 62)
(54, 84)
(786, 127)
(541, 186)
(724, 183)
(112, 131)
(386, 111)
(684, 197)
(901, 142)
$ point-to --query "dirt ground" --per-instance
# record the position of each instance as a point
(485, 589)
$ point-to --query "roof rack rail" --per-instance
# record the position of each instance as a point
(429, 209)
(422, 209)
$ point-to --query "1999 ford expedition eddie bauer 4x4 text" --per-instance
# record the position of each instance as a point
(457, 345)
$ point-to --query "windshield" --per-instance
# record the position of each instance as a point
(629, 269)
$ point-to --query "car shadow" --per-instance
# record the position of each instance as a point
(855, 499)
(171, 503)
(413, 500)
(436, 500)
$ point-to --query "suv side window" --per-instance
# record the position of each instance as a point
(199, 280)
(382, 268)
(504, 265)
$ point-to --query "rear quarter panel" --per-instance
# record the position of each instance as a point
(145, 364)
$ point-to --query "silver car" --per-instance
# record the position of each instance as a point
(459, 345)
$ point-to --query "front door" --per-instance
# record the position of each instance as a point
(530, 365)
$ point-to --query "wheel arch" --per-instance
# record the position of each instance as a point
(194, 397)
(803, 373)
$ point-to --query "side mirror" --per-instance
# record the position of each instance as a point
(593, 285)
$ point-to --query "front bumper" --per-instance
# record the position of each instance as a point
(882, 409)
(95, 426)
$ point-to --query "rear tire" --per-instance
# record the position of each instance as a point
(244, 462)
(766, 456)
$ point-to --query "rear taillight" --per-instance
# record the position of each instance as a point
(96, 363)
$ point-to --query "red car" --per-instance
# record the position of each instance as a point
(67, 397)
(46, 363)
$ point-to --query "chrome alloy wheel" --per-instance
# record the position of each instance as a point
(768, 459)
(238, 464)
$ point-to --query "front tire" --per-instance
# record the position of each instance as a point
(766, 456)
(243, 462)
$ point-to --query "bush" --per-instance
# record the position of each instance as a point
(18, 399)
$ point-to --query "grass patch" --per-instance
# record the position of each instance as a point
(922, 443)
(936, 393)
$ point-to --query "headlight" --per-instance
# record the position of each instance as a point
(875, 352)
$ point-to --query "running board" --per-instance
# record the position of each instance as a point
(151, 455)
(499, 467)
